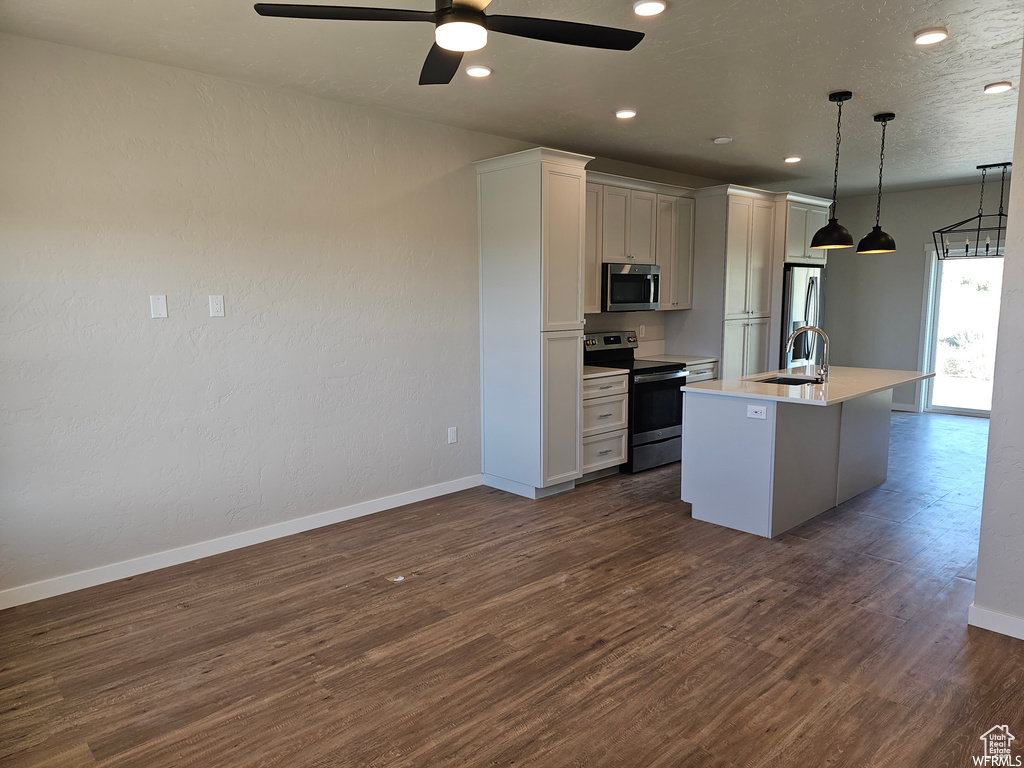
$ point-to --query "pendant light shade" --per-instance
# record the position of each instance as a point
(834, 234)
(877, 241)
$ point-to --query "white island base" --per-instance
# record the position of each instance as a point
(764, 458)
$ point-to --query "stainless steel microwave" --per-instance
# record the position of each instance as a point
(631, 287)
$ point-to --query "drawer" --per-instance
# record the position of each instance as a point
(603, 451)
(702, 372)
(606, 385)
(605, 414)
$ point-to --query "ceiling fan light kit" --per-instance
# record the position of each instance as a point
(878, 241)
(461, 27)
(834, 234)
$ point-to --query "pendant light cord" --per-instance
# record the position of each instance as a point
(839, 139)
(1002, 182)
(981, 202)
(881, 162)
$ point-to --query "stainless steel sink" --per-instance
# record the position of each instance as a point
(792, 381)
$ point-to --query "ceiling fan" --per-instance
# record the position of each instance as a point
(462, 25)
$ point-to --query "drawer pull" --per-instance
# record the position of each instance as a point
(605, 452)
(606, 415)
(607, 386)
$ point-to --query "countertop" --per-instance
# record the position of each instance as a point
(843, 384)
(687, 359)
(597, 371)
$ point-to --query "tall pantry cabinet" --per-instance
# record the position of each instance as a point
(532, 220)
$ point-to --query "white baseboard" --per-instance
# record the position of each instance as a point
(908, 407)
(526, 491)
(994, 621)
(72, 582)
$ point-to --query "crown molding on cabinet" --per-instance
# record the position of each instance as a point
(797, 197)
(531, 157)
(736, 191)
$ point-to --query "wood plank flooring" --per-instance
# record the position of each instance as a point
(604, 627)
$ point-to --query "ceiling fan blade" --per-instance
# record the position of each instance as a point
(344, 13)
(440, 66)
(567, 32)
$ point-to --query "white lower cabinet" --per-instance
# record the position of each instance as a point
(745, 347)
(604, 451)
(605, 421)
(562, 368)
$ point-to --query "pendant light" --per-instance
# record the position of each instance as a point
(877, 241)
(834, 234)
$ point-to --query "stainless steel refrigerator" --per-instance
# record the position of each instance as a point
(803, 303)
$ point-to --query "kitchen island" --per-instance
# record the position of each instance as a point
(764, 457)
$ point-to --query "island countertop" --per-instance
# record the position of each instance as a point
(843, 384)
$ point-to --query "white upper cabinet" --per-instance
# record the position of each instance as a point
(563, 226)
(628, 225)
(592, 250)
(615, 224)
(674, 251)
(802, 221)
(642, 214)
(748, 258)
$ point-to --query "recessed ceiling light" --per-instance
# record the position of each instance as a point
(478, 70)
(723, 140)
(648, 7)
(931, 36)
(1002, 87)
(625, 114)
(793, 159)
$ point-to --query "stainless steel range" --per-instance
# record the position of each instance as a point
(655, 403)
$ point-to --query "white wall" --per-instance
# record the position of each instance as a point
(345, 243)
(874, 303)
(999, 597)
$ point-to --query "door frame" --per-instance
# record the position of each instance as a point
(929, 337)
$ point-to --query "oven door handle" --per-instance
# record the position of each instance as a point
(649, 377)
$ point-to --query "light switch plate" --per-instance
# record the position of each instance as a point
(158, 306)
(453, 435)
(216, 306)
(757, 412)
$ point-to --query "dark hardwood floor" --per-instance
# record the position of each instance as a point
(600, 628)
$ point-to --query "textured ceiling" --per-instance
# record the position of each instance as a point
(756, 70)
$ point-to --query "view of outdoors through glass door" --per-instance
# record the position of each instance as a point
(965, 315)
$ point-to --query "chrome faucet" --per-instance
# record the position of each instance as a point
(823, 370)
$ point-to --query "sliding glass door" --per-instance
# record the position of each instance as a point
(964, 321)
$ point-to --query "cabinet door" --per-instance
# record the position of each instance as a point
(737, 251)
(755, 352)
(592, 251)
(674, 251)
(561, 398)
(816, 219)
(733, 352)
(615, 225)
(563, 224)
(759, 265)
(642, 219)
(796, 232)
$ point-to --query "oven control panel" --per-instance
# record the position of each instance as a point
(614, 340)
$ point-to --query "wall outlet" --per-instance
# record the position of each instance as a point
(453, 435)
(216, 306)
(158, 306)
(642, 332)
(757, 412)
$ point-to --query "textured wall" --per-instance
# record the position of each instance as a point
(1001, 553)
(875, 302)
(345, 243)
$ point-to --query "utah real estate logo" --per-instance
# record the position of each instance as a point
(997, 748)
